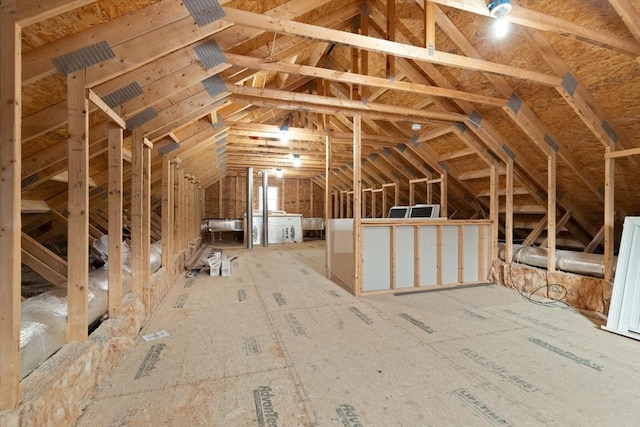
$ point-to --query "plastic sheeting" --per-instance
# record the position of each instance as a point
(44, 317)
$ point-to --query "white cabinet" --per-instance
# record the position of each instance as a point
(624, 311)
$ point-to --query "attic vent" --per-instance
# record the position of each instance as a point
(210, 54)
(214, 86)
(204, 11)
(30, 180)
(123, 95)
(83, 57)
(164, 150)
(141, 118)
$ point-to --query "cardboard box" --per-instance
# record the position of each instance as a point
(225, 269)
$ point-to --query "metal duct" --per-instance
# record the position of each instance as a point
(43, 325)
(569, 261)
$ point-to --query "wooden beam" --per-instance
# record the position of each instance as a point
(146, 210)
(545, 22)
(98, 102)
(508, 221)
(357, 207)
(629, 15)
(622, 153)
(34, 206)
(362, 79)
(391, 36)
(551, 212)
(137, 165)
(595, 242)
(167, 211)
(115, 219)
(430, 26)
(609, 214)
(78, 207)
(50, 266)
(281, 26)
(29, 12)
(535, 233)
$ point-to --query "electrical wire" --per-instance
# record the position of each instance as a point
(550, 302)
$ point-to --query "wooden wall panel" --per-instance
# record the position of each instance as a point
(296, 196)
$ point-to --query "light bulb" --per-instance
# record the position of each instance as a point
(279, 173)
(501, 27)
(296, 161)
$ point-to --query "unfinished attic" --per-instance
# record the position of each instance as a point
(346, 158)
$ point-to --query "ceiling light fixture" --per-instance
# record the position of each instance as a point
(296, 160)
(416, 126)
(279, 173)
(498, 8)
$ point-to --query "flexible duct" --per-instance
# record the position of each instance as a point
(570, 261)
(44, 317)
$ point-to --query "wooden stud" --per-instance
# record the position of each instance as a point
(597, 239)
(115, 219)
(609, 213)
(78, 207)
(508, 223)
(357, 217)
(146, 211)
(482, 253)
(167, 211)
(47, 264)
(137, 165)
(416, 256)
(493, 214)
(439, 255)
(444, 195)
(430, 26)
(364, 55)
(460, 253)
(551, 212)
(391, 36)
(392, 261)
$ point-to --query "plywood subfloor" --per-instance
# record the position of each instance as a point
(277, 342)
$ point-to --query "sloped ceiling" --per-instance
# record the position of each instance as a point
(566, 80)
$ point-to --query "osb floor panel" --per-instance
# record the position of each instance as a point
(278, 344)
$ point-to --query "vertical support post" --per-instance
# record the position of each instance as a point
(411, 194)
(374, 208)
(265, 209)
(146, 211)
(551, 212)
(494, 214)
(181, 210)
(327, 196)
(167, 211)
(10, 220)
(357, 214)
(430, 26)
(115, 219)
(248, 231)
(78, 206)
(364, 54)
(444, 193)
(137, 160)
(609, 213)
(508, 222)
(220, 199)
(391, 36)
